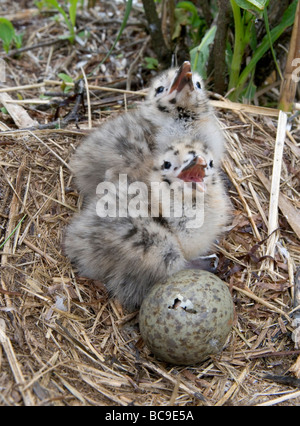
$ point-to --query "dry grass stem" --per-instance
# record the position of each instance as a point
(275, 185)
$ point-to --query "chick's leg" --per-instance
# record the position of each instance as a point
(207, 263)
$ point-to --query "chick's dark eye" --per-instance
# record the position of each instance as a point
(159, 89)
(198, 85)
(211, 163)
(167, 165)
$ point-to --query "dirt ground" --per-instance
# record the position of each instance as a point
(63, 342)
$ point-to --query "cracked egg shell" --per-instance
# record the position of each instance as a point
(188, 318)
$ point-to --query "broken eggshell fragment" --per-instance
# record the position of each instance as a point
(188, 318)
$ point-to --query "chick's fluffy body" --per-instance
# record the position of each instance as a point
(127, 143)
(130, 254)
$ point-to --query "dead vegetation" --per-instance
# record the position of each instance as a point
(62, 341)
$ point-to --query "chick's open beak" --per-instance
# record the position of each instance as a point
(195, 172)
(183, 78)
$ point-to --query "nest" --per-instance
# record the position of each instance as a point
(64, 342)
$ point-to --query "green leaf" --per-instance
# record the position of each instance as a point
(252, 37)
(151, 63)
(271, 44)
(189, 7)
(12, 233)
(200, 54)
(57, 6)
(287, 21)
(249, 92)
(72, 11)
(43, 97)
(84, 34)
(39, 4)
(181, 20)
(255, 5)
(18, 39)
(7, 33)
(65, 77)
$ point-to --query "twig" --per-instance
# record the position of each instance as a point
(237, 187)
(297, 293)
(275, 187)
(10, 293)
(135, 62)
(11, 225)
(280, 399)
(39, 251)
(17, 113)
(14, 365)
(88, 98)
(291, 214)
(25, 87)
(50, 149)
(289, 84)
(32, 218)
(33, 47)
(79, 99)
(64, 332)
(191, 390)
(252, 109)
(59, 83)
(22, 210)
(234, 387)
(285, 380)
(57, 201)
(261, 301)
(29, 102)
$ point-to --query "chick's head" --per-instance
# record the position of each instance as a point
(177, 93)
(185, 162)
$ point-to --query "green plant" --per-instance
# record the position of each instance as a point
(12, 233)
(66, 79)
(186, 15)
(200, 54)
(229, 41)
(244, 24)
(69, 16)
(4, 111)
(151, 63)
(244, 13)
(8, 35)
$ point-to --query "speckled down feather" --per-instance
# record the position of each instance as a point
(121, 145)
(130, 254)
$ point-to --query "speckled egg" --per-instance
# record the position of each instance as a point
(188, 318)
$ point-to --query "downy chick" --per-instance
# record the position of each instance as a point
(176, 106)
(129, 254)
(188, 169)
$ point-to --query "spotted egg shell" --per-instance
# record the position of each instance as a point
(188, 318)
